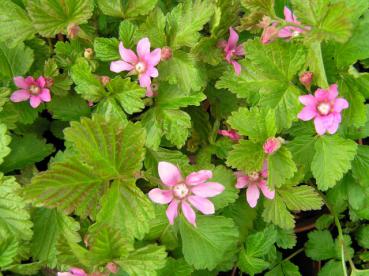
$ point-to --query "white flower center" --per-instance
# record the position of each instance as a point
(295, 33)
(180, 190)
(254, 176)
(324, 108)
(140, 67)
(34, 90)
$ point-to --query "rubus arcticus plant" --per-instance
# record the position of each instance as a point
(184, 137)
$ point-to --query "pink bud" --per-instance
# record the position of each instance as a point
(73, 30)
(49, 82)
(166, 53)
(89, 53)
(112, 267)
(306, 78)
(272, 144)
(232, 134)
(269, 34)
(104, 80)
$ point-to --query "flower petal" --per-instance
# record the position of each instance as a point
(119, 66)
(35, 101)
(172, 211)
(127, 54)
(340, 104)
(252, 195)
(145, 80)
(307, 113)
(149, 92)
(204, 205)
(308, 100)
(45, 95)
(321, 95)
(288, 15)
(143, 47)
(78, 271)
(161, 196)
(236, 67)
(169, 173)
(20, 82)
(285, 32)
(233, 39)
(64, 274)
(335, 124)
(189, 213)
(266, 191)
(198, 177)
(208, 189)
(322, 123)
(332, 92)
(41, 82)
(20, 96)
(242, 180)
(154, 57)
(152, 72)
(240, 51)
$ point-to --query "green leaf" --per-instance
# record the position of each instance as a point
(251, 265)
(177, 267)
(50, 17)
(356, 195)
(246, 156)
(205, 246)
(14, 216)
(49, 226)
(328, 20)
(302, 149)
(87, 84)
(14, 61)
(332, 267)
(301, 198)
(15, 25)
(144, 261)
(332, 159)
(186, 20)
(225, 177)
(276, 211)
(280, 167)
(9, 247)
(111, 7)
(139, 7)
(285, 268)
(264, 6)
(111, 110)
(153, 126)
(154, 28)
(4, 142)
(286, 239)
(360, 165)
(126, 33)
(126, 208)
(320, 245)
(68, 108)
(324, 221)
(25, 150)
(257, 124)
(207, 51)
(106, 49)
(128, 94)
(68, 52)
(362, 236)
(176, 126)
(182, 70)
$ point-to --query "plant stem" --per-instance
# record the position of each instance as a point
(316, 56)
(294, 254)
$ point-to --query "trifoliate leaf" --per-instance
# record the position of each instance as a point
(246, 156)
(9, 247)
(177, 267)
(127, 209)
(333, 156)
(15, 61)
(276, 212)
(280, 167)
(205, 246)
(15, 25)
(320, 245)
(87, 84)
(106, 49)
(176, 125)
(111, 149)
(25, 150)
(360, 165)
(153, 28)
(301, 198)
(257, 124)
(329, 20)
(14, 216)
(4, 142)
(285, 268)
(144, 261)
(127, 93)
(68, 108)
(186, 20)
(182, 70)
(52, 17)
(49, 226)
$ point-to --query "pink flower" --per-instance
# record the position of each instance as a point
(193, 190)
(112, 267)
(142, 64)
(33, 90)
(325, 108)
(291, 31)
(73, 272)
(254, 182)
(232, 51)
(272, 144)
(269, 33)
(232, 134)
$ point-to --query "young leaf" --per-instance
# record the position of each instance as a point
(205, 246)
(52, 17)
(144, 261)
(332, 159)
(126, 33)
(107, 49)
(320, 245)
(153, 128)
(176, 125)
(68, 52)
(4, 142)
(15, 25)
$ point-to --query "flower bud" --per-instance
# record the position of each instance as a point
(89, 53)
(112, 267)
(49, 82)
(104, 80)
(232, 134)
(269, 34)
(272, 144)
(166, 53)
(73, 30)
(306, 78)
(154, 88)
